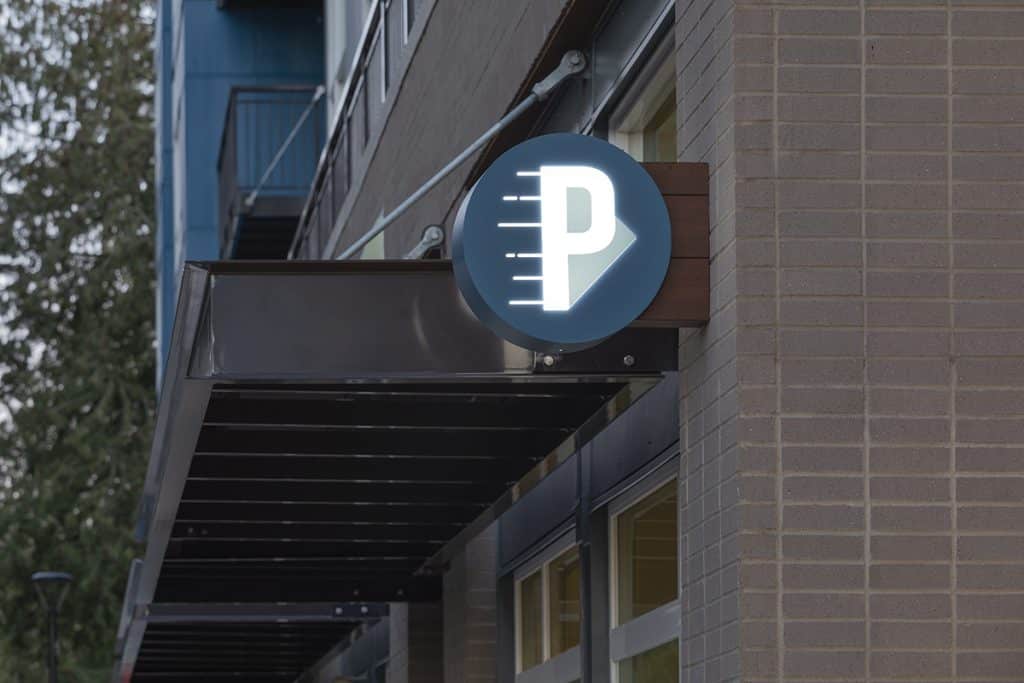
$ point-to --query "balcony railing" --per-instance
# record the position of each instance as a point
(272, 138)
(380, 59)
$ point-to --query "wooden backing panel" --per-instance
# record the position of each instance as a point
(679, 178)
(691, 227)
(685, 297)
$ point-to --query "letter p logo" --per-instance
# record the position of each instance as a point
(564, 241)
(581, 237)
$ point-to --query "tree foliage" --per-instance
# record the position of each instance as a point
(76, 318)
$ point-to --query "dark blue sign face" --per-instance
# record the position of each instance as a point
(564, 241)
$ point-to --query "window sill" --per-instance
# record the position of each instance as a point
(655, 628)
(561, 669)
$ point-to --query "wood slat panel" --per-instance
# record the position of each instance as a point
(685, 297)
(679, 178)
(690, 226)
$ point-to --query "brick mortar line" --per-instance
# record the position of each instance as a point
(866, 456)
(777, 426)
(950, 184)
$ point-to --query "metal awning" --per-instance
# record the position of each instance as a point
(328, 435)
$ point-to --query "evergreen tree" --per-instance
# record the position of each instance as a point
(76, 318)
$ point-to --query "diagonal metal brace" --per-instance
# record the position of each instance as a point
(573, 62)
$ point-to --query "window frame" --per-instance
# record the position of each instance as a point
(565, 666)
(664, 623)
(651, 91)
(382, 44)
(408, 12)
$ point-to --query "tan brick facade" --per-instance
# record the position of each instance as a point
(868, 237)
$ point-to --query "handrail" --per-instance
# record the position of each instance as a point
(360, 64)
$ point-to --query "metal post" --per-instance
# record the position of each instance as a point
(583, 536)
(51, 587)
(572, 63)
(51, 658)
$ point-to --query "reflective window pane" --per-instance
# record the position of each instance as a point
(659, 665)
(647, 548)
(564, 602)
(660, 132)
(531, 621)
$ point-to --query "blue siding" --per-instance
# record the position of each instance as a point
(164, 243)
(202, 53)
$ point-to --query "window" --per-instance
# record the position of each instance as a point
(531, 621)
(653, 666)
(647, 554)
(660, 132)
(374, 249)
(564, 601)
(409, 18)
(645, 605)
(548, 609)
(644, 122)
(382, 45)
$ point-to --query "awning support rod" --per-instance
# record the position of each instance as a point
(572, 63)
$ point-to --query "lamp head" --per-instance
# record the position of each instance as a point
(52, 587)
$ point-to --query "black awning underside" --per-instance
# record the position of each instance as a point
(321, 494)
(330, 433)
(212, 652)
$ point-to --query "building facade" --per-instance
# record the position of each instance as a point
(825, 484)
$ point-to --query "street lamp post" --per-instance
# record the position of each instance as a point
(52, 587)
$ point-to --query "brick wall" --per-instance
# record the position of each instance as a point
(416, 648)
(868, 231)
(470, 612)
(708, 360)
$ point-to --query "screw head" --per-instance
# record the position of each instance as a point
(548, 361)
(628, 360)
(338, 611)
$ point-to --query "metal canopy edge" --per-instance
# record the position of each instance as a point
(282, 613)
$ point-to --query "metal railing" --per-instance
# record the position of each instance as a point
(269, 148)
(376, 68)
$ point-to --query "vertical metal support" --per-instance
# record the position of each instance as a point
(506, 650)
(51, 655)
(583, 537)
(600, 594)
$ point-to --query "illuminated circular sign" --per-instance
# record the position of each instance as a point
(563, 241)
